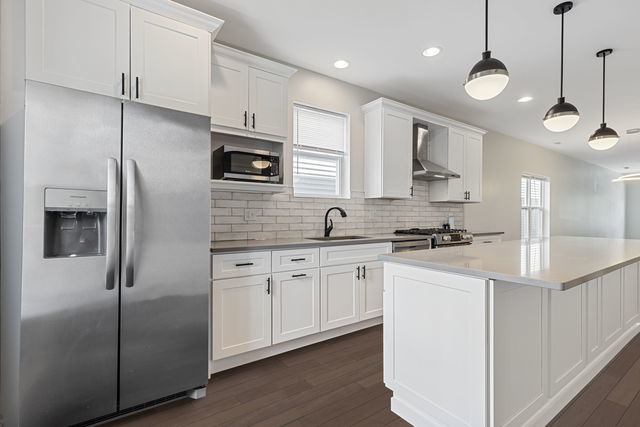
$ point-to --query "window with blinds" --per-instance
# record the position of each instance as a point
(534, 212)
(320, 152)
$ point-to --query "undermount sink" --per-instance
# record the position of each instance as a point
(337, 238)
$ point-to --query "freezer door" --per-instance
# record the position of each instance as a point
(69, 308)
(165, 264)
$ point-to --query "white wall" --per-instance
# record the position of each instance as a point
(584, 201)
(632, 210)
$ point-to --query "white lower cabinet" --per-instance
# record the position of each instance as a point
(371, 289)
(241, 315)
(339, 293)
(611, 295)
(630, 295)
(296, 304)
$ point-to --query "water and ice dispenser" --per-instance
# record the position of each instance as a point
(74, 223)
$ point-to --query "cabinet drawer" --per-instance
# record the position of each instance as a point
(240, 264)
(487, 239)
(295, 259)
(348, 254)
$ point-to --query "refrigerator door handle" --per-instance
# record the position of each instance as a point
(131, 223)
(112, 221)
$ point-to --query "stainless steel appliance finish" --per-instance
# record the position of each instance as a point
(245, 164)
(423, 168)
(442, 236)
(411, 245)
(72, 366)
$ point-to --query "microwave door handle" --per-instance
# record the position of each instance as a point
(112, 222)
(131, 224)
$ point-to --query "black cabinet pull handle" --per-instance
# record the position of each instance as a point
(364, 271)
(137, 87)
(299, 275)
(244, 264)
(122, 84)
(298, 259)
(411, 190)
(253, 120)
(268, 285)
(358, 274)
(245, 119)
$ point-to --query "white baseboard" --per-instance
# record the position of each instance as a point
(263, 353)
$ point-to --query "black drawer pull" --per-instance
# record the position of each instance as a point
(244, 264)
(299, 275)
(298, 259)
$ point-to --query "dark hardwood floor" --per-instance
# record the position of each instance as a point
(339, 383)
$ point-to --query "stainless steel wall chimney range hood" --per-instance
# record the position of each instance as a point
(423, 168)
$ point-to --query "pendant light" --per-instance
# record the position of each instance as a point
(630, 177)
(562, 116)
(489, 76)
(604, 137)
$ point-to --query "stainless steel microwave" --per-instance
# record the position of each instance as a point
(245, 164)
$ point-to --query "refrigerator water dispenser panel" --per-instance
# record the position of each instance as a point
(74, 223)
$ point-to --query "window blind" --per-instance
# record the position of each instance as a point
(533, 207)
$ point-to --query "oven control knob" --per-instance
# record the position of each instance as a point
(467, 236)
(446, 238)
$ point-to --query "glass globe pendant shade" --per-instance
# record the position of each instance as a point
(487, 79)
(604, 138)
(561, 117)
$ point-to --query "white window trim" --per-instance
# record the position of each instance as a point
(345, 166)
(546, 205)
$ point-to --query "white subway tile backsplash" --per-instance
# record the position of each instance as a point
(282, 215)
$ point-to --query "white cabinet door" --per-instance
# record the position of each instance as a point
(630, 295)
(611, 307)
(371, 288)
(473, 168)
(296, 304)
(397, 153)
(229, 92)
(241, 315)
(456, 164)
(80, 44)
(170, 63)
(594, 318)
(339, 296)
(267, 103)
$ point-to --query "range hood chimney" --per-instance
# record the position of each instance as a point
(423, 168)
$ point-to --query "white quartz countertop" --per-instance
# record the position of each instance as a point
(222, 246)
(557, 263)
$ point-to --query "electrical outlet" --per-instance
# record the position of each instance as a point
(250, 215)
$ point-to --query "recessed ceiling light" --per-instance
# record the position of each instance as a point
(557, 142)
(525, 99)
(626, 167)
(341, 63)
(632, 131)
(431, 51)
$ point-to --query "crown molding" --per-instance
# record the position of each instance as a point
(254, 60)
(181, 13)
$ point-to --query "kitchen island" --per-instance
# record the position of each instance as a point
(504, 334)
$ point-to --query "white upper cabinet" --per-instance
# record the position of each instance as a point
(81, 44)
(112, 48)
(169, 63)
(388, 152)
(249, 95)
(461, 152)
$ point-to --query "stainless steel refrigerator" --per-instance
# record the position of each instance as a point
(113, 306)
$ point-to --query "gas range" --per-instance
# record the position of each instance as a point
(442, 236)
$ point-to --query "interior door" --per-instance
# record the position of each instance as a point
(339, 292)
(267, 103)
(69, 338)
(456, 164)
(242, 315)
(229, 92)
(165, 261)
(80, 44)
(473, 168)
(170, 63)
(296, 304)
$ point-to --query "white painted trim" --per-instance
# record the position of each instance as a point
(254, 61)
(421, 115)
(244, 358)
(181, 13)
(248, 187)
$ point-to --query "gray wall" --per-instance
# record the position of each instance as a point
(584, 201)
(633, 210)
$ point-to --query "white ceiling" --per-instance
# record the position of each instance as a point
(383, 41)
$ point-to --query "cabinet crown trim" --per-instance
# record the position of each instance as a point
(417, 113)
(181, 13)
(253, 60)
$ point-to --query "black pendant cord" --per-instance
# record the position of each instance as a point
(486, 25)
(604, 58)
(562, 55)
